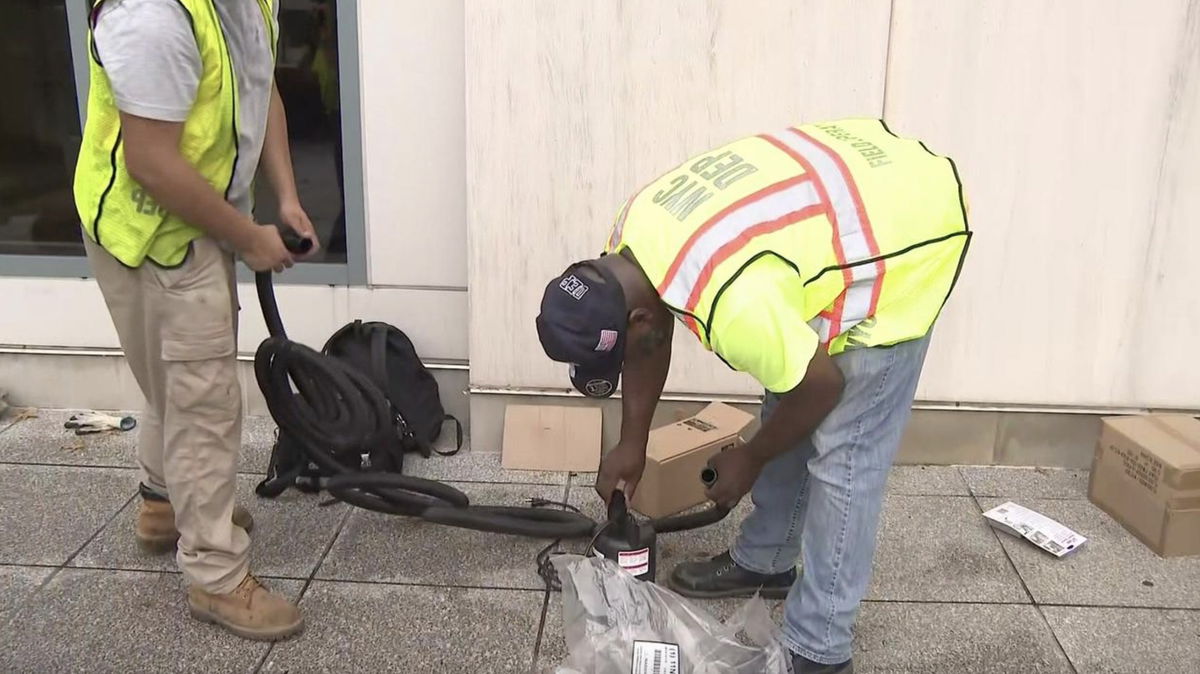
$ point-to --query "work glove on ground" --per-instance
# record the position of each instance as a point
(86, 423)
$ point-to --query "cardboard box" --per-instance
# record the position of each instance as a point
(676, 453)
(551, 437)
(1146, 475)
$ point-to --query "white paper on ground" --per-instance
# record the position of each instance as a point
(1034, 527)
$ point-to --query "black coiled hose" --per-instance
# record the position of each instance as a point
(334, 410)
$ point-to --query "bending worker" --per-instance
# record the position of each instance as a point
(182, 106)
(815, 259)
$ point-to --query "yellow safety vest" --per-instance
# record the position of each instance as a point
(113, 208)
(875, 225)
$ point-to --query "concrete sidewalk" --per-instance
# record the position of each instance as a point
(391, 594)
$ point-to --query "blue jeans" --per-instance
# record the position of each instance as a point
(822, 499)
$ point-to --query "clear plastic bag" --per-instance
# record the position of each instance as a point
(615, 624)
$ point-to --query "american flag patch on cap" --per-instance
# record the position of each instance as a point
(608, 339)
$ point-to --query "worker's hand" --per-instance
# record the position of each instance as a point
(262, 249)
(292, 215)
(737, 469)
(625, 463)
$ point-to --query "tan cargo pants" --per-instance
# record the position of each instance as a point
(178, 329)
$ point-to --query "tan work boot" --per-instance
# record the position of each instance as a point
(251, 611)
(155, 525)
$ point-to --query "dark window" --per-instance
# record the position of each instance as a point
(307, 77)
(39, 130)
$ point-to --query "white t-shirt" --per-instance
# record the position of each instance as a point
(148, 51)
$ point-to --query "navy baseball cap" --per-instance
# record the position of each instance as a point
(583, 322)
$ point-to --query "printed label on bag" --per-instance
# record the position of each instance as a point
(655, 657)
(636, 562)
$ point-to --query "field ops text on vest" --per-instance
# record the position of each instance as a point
(874, 155)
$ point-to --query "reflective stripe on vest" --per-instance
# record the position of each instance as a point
(826, 188)
(779, 205)
(853, 239)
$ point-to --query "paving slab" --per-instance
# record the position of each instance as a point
(121, 621)
(17, 583)
(472, 466)
(387, 548)
(1111, 569)
(1115, 640)
(938, 638)
(1021, 482)
(937, 548)
(48, 512)
(583, 479)
(926, 481)
(43, 439)
(363, 627)
(290, 534)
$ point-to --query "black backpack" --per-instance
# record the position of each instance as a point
(387, 356)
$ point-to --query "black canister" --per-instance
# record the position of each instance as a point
(626, 541)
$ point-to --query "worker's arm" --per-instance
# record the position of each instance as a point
(760, 329)
(277, 166)
(800, 410)
(153, 159)
(644, 374)
(797, 415)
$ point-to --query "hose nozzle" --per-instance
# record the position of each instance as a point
(294, 242)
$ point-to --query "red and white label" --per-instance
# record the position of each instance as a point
(635, 562)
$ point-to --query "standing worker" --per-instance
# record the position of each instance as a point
(817, 260)
(182, 105)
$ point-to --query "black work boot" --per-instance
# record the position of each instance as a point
(721, 577)
(802, 665)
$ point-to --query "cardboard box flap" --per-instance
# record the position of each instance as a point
(1186, 430)
(714, 423)
(552, 438)
(1173, 439)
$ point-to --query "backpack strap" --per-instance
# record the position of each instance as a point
(459, 430)
(379, 341)
(379, 359)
